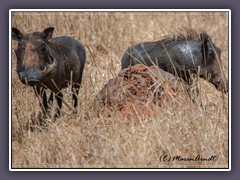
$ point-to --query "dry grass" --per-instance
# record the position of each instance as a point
(86, 139)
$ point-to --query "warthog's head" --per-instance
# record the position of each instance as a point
(212, 65)
(35, 58)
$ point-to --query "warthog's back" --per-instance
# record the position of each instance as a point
(70, 47)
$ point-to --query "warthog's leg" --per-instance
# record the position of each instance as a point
(75, 90)
(59, 97)
(76, 87)
(50, 100)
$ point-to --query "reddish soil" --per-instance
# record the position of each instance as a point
(139, 90)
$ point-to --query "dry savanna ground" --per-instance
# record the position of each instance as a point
(88, 139)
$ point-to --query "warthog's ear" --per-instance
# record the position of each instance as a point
(207, 50)
(16, 34)
(47, 33)
(205, 37)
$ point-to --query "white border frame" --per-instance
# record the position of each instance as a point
(118, 10)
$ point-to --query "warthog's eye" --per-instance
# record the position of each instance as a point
(210, 53)
(21, 46)
(42, 67)
(43, 47)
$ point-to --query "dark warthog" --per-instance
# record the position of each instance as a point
(182, 56)
(49, 63)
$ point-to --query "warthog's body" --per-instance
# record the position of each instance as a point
(52, 63)
(182, 56)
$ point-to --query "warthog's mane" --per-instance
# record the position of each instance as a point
(182, 36)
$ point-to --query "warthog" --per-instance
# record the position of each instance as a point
(181, 55)
(44, 63)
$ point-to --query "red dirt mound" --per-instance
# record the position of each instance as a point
(139, 90)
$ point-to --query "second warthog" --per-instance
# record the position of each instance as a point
(44, 63)
(181, 55)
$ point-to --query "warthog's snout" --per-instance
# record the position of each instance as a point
(221, 83)
(31, 76)
(224, 86)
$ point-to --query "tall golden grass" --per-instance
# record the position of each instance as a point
(89, 140)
